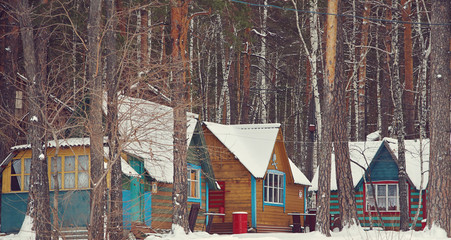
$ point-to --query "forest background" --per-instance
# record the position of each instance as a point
(240, 62)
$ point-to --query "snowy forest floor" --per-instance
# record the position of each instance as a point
(354, 233)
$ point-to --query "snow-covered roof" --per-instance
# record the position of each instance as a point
(67, 142)
(147, 130)
(78, 142)
(362, 153)
(252, 145)
(298, 176)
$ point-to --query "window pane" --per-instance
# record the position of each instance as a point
(69, 180)
(83, 180)
(392, 190)
(276, 180)
(381, 203)
(270, 195)
(17, 167)
(281, 196)
(83, 163)
(276, 195)
(369, 190)
(271, 180)
(26, 183)
(15, 183)
(58, 164)
(381, 189)
(370, 205)
(392, 204)
(27, 165)
(69, 163)
(281, 181)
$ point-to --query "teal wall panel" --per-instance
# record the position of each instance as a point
(73, 209)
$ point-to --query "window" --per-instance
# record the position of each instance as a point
(193, 182)
(73, 172)
(20, 174)
(386, 197)
(274, 187)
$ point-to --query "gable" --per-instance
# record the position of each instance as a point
(198, 155)
(279, 159)
(382, 167)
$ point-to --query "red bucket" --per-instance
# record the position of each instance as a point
(239, 222)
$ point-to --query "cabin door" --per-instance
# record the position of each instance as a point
(216, 199)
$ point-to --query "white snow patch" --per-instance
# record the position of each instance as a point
(25, 233)
(41, 157)
(351, 233)
(34, 119)
(439, 75)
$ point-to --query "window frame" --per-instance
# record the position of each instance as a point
(266, 189)
(62, 172)
(386, 197)
(198, 183)
(22, 174)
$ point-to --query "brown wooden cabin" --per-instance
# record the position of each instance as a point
(256, 176)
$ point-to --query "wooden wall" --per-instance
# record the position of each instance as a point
(237, 178)
(162, 207)
(238, 185)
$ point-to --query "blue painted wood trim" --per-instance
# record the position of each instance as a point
(284, 192)
(305, 200)
(148, 208)
(197, 200)
(254, 201)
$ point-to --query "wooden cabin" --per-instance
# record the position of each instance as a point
(146, 131)
(374, 165)
(73, 163)
(250, 163)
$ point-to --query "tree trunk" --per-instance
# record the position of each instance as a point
(95, 129)
(346, 197)
(39, 198)
(361, 123)
(408, 101)
(386, 78)
(439, 185)
(246, 80)
(115, 222)
(179, 28)
(323, 205)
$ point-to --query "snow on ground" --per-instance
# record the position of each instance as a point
(355, 233)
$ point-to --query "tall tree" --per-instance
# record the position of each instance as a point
(346, 197)
(179, 31)
(95, 128)
(323, 203)
(35, 64)
(115, 221)
(361, 109)
(408, 95)
(439, 185)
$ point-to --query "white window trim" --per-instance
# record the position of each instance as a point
(386, 197)
(266, 189)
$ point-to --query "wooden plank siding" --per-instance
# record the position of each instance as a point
(162, 207)
(390, 219)
(237, 178)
